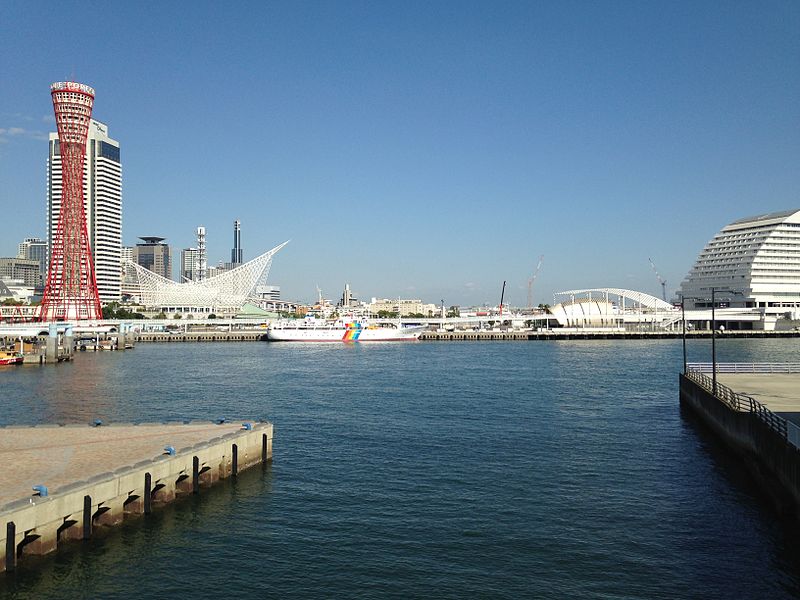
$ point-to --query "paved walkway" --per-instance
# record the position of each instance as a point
(57, 456)
(780, 392)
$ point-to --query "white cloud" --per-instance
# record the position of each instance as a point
(6, 133)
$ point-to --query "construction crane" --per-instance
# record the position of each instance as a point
(660, 280)
(532, 280)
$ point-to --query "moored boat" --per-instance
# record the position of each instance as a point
(311, 330)
(10, 358)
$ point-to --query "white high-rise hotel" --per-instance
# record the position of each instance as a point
(757, 257)
(102, 188)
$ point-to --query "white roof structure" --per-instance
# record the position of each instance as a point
(636, 298)
(224, 292)
(595, 308)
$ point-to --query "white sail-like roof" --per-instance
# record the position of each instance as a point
(638, 297)
(229, 290)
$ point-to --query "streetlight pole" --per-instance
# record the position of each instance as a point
(714, 334)
(683, 324)
(713, 342)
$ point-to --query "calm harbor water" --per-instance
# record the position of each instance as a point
(503, 470)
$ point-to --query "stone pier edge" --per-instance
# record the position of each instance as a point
(771, 459)
(40, 524)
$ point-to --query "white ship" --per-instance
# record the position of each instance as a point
(341, 331)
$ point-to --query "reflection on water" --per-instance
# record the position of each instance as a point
(531, 469)
(165, 536)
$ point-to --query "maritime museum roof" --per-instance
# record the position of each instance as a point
(225, 292)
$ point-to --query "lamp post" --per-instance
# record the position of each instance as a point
(683, 326)
(683, 334)
(714, 335)
(713, 342)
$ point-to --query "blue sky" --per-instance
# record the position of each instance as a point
(428, 149)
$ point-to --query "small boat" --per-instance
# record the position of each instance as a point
(10, 358)
(312, 330)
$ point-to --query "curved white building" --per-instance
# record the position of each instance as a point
(224, 293)
(758, 257)
(611, 307)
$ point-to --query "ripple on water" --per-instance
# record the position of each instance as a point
(552, 469)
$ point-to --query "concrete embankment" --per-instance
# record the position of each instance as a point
(573, 334)
(433, 336)
(202, 336)
(60, 482)
(765, 441)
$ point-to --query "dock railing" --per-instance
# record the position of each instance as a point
(759, 367)
(743, 403)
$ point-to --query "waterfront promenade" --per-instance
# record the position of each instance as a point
(754, 408)
(779, 392)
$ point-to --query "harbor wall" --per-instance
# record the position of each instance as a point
(202, 336)
(452, 336)
(38, 525)
(769, 456)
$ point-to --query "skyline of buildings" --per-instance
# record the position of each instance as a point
(723, 261)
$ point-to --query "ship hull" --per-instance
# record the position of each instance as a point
(342, 334)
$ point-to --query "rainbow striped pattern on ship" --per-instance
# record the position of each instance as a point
(352, 331)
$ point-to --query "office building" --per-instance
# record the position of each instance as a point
(190, 264)
(271, 293)
(348, 299)
(35, 249)
(402, 307)
(236, 253)
(21, 269)
(102, 204)
(154, 255)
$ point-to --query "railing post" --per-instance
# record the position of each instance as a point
(87, 517)
(11, 546)
(148, 491)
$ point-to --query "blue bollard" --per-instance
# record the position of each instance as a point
(247, 426)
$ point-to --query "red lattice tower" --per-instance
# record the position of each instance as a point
(71, 289)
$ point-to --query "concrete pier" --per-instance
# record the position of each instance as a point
(757, 416)
(201, 336)
(58, 483)
(588, 334)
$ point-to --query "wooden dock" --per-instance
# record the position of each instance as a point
(60, 482)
